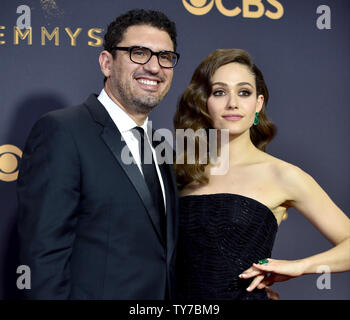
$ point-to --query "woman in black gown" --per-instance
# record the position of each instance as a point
(228, 222)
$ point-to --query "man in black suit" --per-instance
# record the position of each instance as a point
(89, 225)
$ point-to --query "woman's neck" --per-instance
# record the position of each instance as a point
(241, 149)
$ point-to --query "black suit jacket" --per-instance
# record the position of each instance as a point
(87, 225)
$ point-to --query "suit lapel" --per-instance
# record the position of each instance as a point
(113, 139)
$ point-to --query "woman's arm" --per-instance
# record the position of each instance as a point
(309, 199)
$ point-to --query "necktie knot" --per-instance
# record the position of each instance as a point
(140, 131)
(145, 147)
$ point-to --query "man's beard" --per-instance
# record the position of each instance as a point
(144, 104)
(140, 105)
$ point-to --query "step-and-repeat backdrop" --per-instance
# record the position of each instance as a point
(49, 60)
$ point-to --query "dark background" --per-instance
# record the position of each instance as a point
(306, 70)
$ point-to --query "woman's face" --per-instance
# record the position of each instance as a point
(233, 101)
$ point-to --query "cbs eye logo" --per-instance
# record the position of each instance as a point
(198, 7)
(250, 8)
(9, 162)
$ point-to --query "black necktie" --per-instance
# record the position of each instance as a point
(151, 177)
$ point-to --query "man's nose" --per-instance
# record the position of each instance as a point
(152, 65)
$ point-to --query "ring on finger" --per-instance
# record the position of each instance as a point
(263, 261)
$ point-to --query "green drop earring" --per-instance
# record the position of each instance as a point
(256, 119)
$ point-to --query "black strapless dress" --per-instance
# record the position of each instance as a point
(220, 236)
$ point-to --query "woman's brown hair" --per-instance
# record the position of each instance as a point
(192, 112)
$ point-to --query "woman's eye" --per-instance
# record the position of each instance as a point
(218, 93)
(245, 93)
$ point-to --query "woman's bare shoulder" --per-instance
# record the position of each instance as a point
(287, 173)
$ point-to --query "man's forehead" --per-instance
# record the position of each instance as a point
(147, 36)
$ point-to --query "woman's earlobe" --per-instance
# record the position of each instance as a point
(260, 103)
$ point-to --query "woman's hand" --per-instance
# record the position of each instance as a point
(271, 272)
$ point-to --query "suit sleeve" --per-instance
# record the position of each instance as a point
(48, 195)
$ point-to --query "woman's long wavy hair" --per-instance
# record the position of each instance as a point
(192, 111)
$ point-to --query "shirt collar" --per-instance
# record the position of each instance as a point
(122, 120)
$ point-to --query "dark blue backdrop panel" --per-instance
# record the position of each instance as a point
(306, 69)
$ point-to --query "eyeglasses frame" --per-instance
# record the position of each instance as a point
(152, 54)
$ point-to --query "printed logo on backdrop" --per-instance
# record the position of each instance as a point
(9, 162)
(249, 9)
(22, 29)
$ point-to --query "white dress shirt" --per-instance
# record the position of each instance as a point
(125, 124)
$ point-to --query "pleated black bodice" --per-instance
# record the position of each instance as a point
(220, 236)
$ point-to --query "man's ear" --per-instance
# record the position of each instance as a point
(106, 62)
(260, 103)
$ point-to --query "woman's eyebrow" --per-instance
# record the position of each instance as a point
(245, 83)
(219, 84)
(238, 84)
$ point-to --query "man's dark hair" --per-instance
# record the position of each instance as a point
(117, 28)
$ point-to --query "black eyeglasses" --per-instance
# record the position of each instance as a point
(141, 55)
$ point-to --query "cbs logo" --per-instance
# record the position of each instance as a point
(9, 162)
(250, 8)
